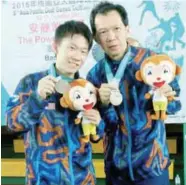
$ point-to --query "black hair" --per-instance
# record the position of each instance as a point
(104, 8)
(73, 27)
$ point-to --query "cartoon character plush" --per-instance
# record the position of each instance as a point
(158, 71)
(81, 96)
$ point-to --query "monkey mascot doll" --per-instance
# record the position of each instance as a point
(80, 95)
(158, 71)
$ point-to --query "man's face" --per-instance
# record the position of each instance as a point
(71, 54)
(111, 34)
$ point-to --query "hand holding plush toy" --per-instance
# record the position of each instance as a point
(158, 71)
(81, 96)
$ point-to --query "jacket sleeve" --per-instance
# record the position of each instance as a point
(24, 107)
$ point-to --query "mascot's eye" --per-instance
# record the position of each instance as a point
(149, 73)
(165, 71)
(91, 92)
(77, 95)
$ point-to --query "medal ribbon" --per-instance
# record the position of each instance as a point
(121, 68)
(52, 71)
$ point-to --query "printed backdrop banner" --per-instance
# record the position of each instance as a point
(28, 29)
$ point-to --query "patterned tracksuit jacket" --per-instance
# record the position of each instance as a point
(135, 146)
(51, 137)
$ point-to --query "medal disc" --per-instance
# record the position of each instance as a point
(116, 97)
(62, 86)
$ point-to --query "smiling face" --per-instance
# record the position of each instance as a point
(83, 98)
(158, 73)
(71, 54)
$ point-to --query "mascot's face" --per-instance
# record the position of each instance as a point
(156, 74)
(83, 97)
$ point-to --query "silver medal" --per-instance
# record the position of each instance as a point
(62, 86)
(116, 97)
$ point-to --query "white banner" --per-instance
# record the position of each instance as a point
(28, 28)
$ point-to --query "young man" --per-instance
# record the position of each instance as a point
(135, 146)
(51, 137)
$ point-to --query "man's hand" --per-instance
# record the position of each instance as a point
(46, 86)
(105, 91)
(92, 115)
(167, 91)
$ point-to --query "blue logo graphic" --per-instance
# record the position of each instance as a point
(167, 35)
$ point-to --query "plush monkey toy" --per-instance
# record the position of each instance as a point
(157, 71)
(81, 96)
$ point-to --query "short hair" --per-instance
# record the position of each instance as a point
(104, 8)
(73, 27)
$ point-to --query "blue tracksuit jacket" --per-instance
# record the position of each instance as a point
(135, 146)
(51, 137)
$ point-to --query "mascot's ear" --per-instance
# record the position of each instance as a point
(178, 70)
(63, 102)
(138, 76)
